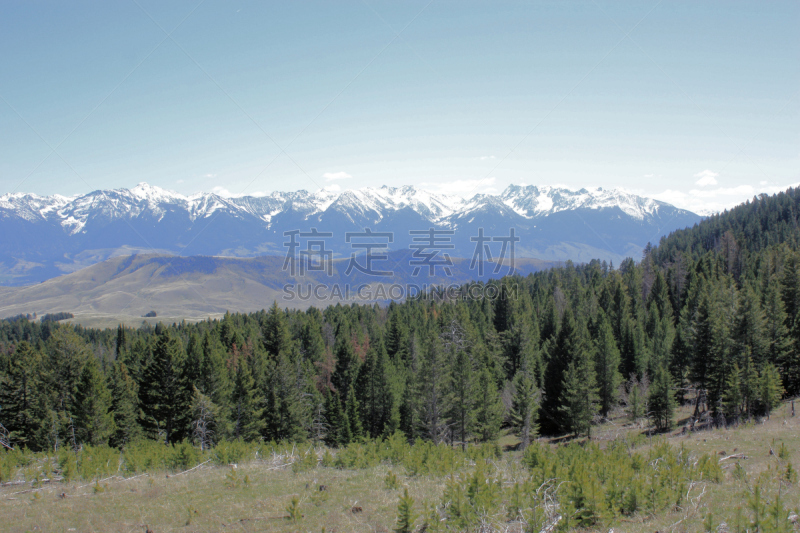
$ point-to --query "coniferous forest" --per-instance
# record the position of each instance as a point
(708, 317)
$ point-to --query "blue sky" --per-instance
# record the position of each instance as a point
(697, 103)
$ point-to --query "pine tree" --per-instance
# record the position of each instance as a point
(569, 342)
(246, 416)
(20, 394)
(397, 339)
(312, 346)
(775, 330)
(525, 409)
(66, 353)
(122, 342)
(347, 364)
(790, 286)
(214, 379)
(749, 328)
(277, 337)
(579, 399)
(607, 361)
(374, 393)
(489, 410)
(681, 359)
(463, 392)
(289, 407)
(164, 394)
(519, 344)
(770, 389)
(702, 340)
(405, 514)
(338, 428)
(433, 402)
(352, 415)
(94, 420)
(638, 393)
(661, 399)
(124, 406)
(749, 386)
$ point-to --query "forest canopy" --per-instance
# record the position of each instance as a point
(709, 316)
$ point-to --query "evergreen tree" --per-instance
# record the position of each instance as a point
(338, 428)
(463, 392)
(732, 399)
(524, 412)
(246, 416)
(20, 394)
(661, 399)
(579, 399)
(124, 406)
(352, 415)
(164, 393)
(638, 393)
(749, 328)
(289, 409)
(568, 343)
(722, 351)
(607, 361)
(312, 346)
(122, 342)
(375, 395)
(702, 340)
(277, 337)
(66, 353)
(519, 344)
(214, 380)
(749, 386)
(778, 341)
(770, 390)
(489, 408)
(790, 286)
(680, 363)
(347, 364)
(94, 420)
(397, 339)
(433, 402)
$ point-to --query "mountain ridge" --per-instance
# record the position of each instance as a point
(48, 236)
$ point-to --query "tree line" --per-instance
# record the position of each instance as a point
(710, 316)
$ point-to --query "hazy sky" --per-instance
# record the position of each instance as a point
(697, 103)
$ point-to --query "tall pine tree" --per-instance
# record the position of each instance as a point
(94, 420)
(164, 393)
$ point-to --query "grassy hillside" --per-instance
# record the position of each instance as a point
(122, 289)
(256, 494)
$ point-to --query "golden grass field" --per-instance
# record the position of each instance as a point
(255, 496)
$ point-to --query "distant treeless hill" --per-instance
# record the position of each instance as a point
(130, 286)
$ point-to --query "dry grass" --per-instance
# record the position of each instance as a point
(218, 499)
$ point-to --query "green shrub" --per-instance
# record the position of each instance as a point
(294, 510)
(306, 461)
(405, 514)
(390, 481)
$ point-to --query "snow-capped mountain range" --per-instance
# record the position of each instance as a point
(46, 236)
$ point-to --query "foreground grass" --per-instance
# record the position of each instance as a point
(256, 495)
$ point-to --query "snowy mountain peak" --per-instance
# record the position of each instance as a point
(152, 193)
(367, 205)
(45, 236)
(531, 201)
